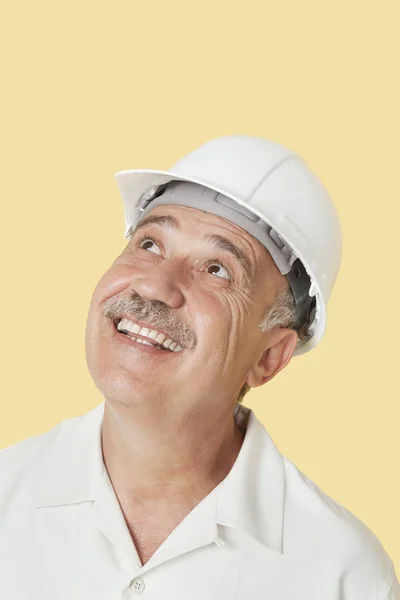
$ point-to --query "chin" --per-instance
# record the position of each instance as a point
(119, 384)
(116, 388)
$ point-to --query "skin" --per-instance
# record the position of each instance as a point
(160, 409)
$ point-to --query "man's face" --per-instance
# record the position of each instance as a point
(175, 280)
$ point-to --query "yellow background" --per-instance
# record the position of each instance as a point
(90, 88)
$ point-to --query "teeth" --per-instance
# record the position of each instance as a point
(153, 334)
(160, 338)
(140, 341)
(143, 342)
(127, 325)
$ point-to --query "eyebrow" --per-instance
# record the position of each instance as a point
(217, 241)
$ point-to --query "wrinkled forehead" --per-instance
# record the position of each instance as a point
(185, 218)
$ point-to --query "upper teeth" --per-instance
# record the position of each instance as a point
(153, 334)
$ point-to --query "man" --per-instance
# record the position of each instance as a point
(171, 488)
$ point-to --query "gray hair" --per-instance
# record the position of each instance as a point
(282, 313)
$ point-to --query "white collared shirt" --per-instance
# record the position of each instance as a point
(266, 532)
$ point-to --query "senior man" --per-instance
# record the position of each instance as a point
(171, 487)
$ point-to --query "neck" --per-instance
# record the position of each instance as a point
(167, 458)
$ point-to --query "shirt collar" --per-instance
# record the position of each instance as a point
(250, 498)
(252, 495)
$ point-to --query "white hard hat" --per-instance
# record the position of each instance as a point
(267, 189)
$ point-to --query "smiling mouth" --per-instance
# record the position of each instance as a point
(147, 341)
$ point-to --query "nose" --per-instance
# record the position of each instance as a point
(162, 282)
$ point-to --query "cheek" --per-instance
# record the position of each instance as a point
(213, 318)
(240, 318)
(238, 306)
(114, 282)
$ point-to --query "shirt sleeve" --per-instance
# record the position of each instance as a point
(394, 592)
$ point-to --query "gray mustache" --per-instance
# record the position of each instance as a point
(155, 314)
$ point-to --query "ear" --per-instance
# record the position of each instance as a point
(281, 345)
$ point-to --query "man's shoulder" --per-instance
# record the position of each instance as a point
(22, 454)
(18, 461)
(342, 539)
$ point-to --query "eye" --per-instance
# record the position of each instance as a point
(220, 265)
(213, 263)
(148, 238)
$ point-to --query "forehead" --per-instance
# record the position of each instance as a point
(189, 214)
(182, 218)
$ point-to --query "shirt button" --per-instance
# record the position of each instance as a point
(137, 585)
